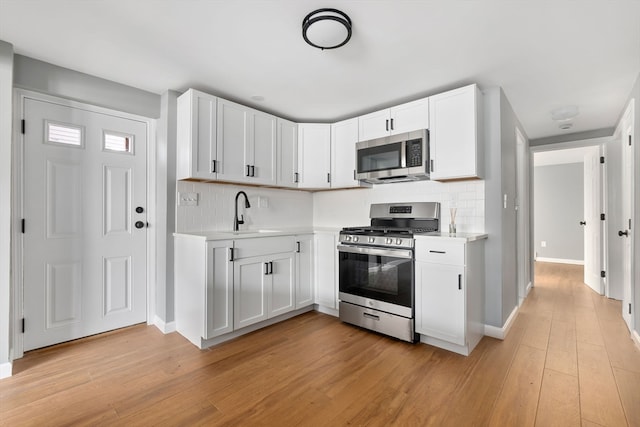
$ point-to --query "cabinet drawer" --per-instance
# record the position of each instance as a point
(247, 248)
(441, 252)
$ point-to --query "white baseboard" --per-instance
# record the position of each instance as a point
(561, 261)
(501, 333)
(6, 370)
(166, 328)
(636, 338)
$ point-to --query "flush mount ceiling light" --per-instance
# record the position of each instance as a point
(326, 28)
(563, 114)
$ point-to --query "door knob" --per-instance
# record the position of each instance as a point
(139, 224)
(139, 209)
(623, 233)
(583, 223)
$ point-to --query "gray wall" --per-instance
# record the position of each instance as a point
(558, 210)
(43, 77)
(500, 220)
(6, 90)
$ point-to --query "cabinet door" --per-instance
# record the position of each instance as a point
(282, 275)
(304, 271)
(234, 153)
(410, 116)
(440, 301)
(196, 135)
(314, 155)
(374, 125)
(287, 153)
(326, 270)
(250, 291)
(454, 134)
(263, 169)
(219, 289)
(344, 136)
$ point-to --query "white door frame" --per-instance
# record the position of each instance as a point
(600, 141)
(523, 217)
(17, 205)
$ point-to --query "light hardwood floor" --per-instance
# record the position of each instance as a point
(568, 361)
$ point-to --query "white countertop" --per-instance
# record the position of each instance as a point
(251, 234)
(467, 237)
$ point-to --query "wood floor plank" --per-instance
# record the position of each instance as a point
(561, 355)
(599, 399)
(518, 400)
(628, 383)
(559, 404)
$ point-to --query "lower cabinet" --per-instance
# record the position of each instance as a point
(263, 287)
(326, 277)
(225, 285)
(449, 292)
(204, 288)
(304, 271)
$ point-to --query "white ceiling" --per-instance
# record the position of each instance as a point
(544, 54)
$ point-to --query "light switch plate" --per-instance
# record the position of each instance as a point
(188, 199)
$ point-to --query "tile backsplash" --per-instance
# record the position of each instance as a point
(272, 208)
(269, 207)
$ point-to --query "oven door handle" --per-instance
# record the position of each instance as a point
(396, 253)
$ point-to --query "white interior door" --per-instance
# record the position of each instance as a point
(625, 233)
(592, 210)
(84, 199)
(615, 220)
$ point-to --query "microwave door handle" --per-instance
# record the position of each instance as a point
(403, 154)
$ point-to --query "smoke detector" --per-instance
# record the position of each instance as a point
(563, 114)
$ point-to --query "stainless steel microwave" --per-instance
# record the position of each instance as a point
(396, 158)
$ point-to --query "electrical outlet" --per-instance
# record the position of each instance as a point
(188, 199)
(543, 244)
(263, 202)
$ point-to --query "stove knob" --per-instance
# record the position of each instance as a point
(398, 241)
(347, 238)
(355, 238)
(372, 239)
(389, 240)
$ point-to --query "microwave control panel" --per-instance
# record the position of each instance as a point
(414, 153)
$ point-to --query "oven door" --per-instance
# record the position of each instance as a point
(377, 278)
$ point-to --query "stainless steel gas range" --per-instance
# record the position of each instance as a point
(376, 267)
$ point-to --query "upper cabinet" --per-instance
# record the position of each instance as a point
(196, 128)
(314, 155)
(246, 144)
(222, 140)
(401, 118)
(287, 158)
(344, 136)
(456, 134)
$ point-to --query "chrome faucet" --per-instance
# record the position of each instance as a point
(236, 221)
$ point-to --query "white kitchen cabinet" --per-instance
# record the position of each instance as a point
(304, 271)
(246, 144)
(456, 134)
(344, 136)
(326, 276)
(196, 154)
(287, 158)
(314, 155)
(263, 279)
(204, 288)
(402, 118)
(449, 292)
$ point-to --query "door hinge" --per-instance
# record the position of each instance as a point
(23, 325)
(603, 274)
(602, 217)
(629, 308)
(629, 223)
(601, 159)
(22, 225)
(23, 126)
(629, 139)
